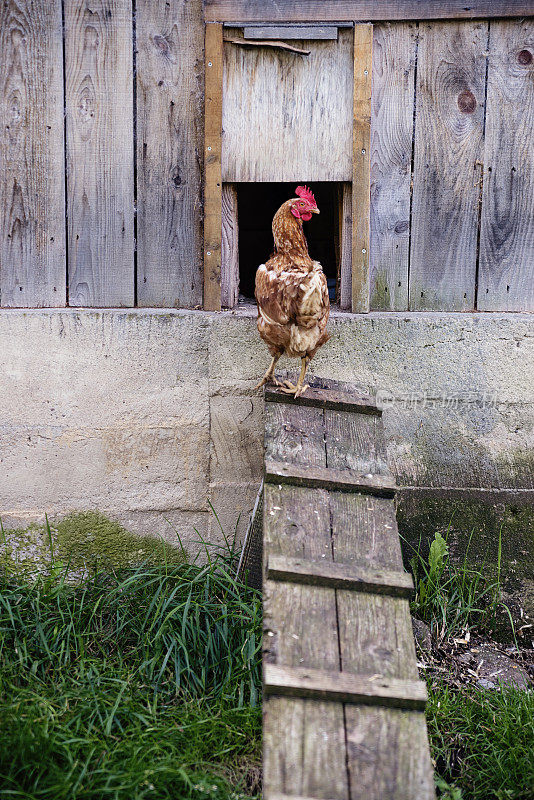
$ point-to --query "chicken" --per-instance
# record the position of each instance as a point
(292, 293)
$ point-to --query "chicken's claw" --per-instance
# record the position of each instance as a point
(296, 391)
(300, 390)
(268, 379)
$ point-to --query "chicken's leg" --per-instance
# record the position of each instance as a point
(269, 376)
(300, 388)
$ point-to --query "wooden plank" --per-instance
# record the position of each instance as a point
(364, 531)
(345, 247)
(229, 247)
(376, 635)
(290, 32)
(507, 224)
(339, 576)
(99, 136)
(169, 38)
(32, 196)
(361, 147)
(334, 480)
(388, 754)
(212, 166)
(262, 83)
(280, 796)
(386, 749)
(300, 628)
(343, 686)
(394, 53)
(294, 435)
(320, 398)
(359, 10)
(451, 70)
(355, 442)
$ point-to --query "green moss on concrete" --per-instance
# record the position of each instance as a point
(89, 539)
(25, 551)
(82, 540)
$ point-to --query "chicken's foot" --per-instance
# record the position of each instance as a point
(269, 376)
(300, 387)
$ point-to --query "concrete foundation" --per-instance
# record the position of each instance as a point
(149, 415)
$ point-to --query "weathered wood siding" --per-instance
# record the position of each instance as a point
(452, 209)
(277, 103)
(506, 279)
(32, 195)
(101, 155)
(99, 141)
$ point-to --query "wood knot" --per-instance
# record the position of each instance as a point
(163, 45)
(467, 102)
(524, 58)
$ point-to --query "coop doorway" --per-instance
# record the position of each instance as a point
(247, 239)
(256, 206)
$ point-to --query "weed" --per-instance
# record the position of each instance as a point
(454, 598)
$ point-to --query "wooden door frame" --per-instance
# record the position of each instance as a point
(220, 202)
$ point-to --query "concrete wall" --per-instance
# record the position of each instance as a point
(148, 414)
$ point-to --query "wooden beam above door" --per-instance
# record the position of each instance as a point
(240, 11)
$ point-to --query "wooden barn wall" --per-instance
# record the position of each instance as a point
(101, 156)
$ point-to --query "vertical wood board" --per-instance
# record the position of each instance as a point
(287, 116)
(451, 71)
(345, 247)
(506, 271)
(394, 54)
(100, 166)
(388, 755)
(212, 166)
(32, 195)
(169, 90)
(361, 143)
(229, 247)
(295, 758)
(355, 442)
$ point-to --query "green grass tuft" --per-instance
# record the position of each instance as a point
(454, 598)
(482, 742)
(143, 683)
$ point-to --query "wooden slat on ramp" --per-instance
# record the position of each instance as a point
(343, 705)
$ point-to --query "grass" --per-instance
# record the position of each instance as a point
(481, 740)
(144, 683)
(453, 598)
(139, 684)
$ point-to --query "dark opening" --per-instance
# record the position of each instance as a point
(257, 204)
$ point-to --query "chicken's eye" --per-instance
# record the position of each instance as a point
(301, 203)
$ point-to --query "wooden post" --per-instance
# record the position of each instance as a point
(212, 167)
(229, 247)
(363, 54)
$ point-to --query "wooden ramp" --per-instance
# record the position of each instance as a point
(343, 705)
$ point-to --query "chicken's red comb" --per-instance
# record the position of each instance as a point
(306, 194)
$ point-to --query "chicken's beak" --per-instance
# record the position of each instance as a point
(315, 211)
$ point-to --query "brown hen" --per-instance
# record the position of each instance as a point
(292, 293)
